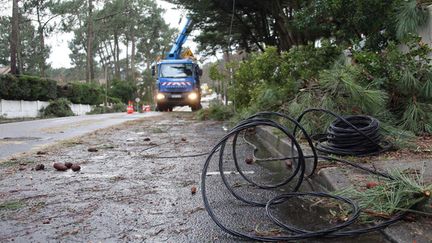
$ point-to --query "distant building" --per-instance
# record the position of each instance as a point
(5, 70)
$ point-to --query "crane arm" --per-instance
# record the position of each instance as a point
(181, 39)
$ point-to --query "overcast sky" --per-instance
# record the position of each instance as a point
(59, 43)
(59, 56)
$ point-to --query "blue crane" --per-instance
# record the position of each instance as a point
(176, 49)
(178, 76)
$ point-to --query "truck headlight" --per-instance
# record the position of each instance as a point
(160, 96)
(193, 96)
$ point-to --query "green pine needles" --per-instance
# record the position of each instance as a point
(344, 82)
(339, 89)
(393, 85)
(384, 198)
(411, 15)
(410, 84)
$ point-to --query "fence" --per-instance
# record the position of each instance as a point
(21, 108)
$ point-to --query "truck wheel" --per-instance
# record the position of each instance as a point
(196, 107)
(160, 108)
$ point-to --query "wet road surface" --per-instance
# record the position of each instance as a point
(23, 136)
(122, 192)
(136, 186)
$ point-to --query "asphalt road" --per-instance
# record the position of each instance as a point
(123, 192)
(20, 137)
(24, 136)
(136, 184)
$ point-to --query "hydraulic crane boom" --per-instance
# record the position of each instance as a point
(181, 39)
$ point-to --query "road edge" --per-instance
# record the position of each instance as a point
(333, 178)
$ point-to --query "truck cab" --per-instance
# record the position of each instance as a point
(178, 84)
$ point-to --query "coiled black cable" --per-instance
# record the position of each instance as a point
(360, 128)
(342, 139)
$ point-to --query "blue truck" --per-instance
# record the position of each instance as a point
(178, 77)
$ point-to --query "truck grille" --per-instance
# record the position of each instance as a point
(176, 84)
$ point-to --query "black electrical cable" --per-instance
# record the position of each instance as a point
(342, 139)
(353, 131)
(286, 196)
(153, 156)
(350, 135)
(177, 156)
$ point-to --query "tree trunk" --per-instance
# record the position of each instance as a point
(225, 85)
(285, 37)
(148, 84)
(42, 50)
(127, 57)
(248, 29)
(102, 57)
(14, 41)
(116, 56)
(89, 66)
(109, 53)
(41, 55)
(133, 56)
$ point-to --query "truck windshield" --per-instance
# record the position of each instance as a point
(176, 70)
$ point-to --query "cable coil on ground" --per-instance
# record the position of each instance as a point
(342, 139)
(349, 135)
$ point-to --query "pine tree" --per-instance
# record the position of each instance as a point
(410, 16)
(411, 85)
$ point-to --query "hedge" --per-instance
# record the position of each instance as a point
(34, 88)
(27, 88)
(82, 93)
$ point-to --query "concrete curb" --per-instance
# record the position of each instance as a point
(334, 178)
(329, 179)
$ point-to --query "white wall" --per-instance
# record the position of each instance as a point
(79, 109)
(21, 108)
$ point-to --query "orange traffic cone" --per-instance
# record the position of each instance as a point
(130, 109)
